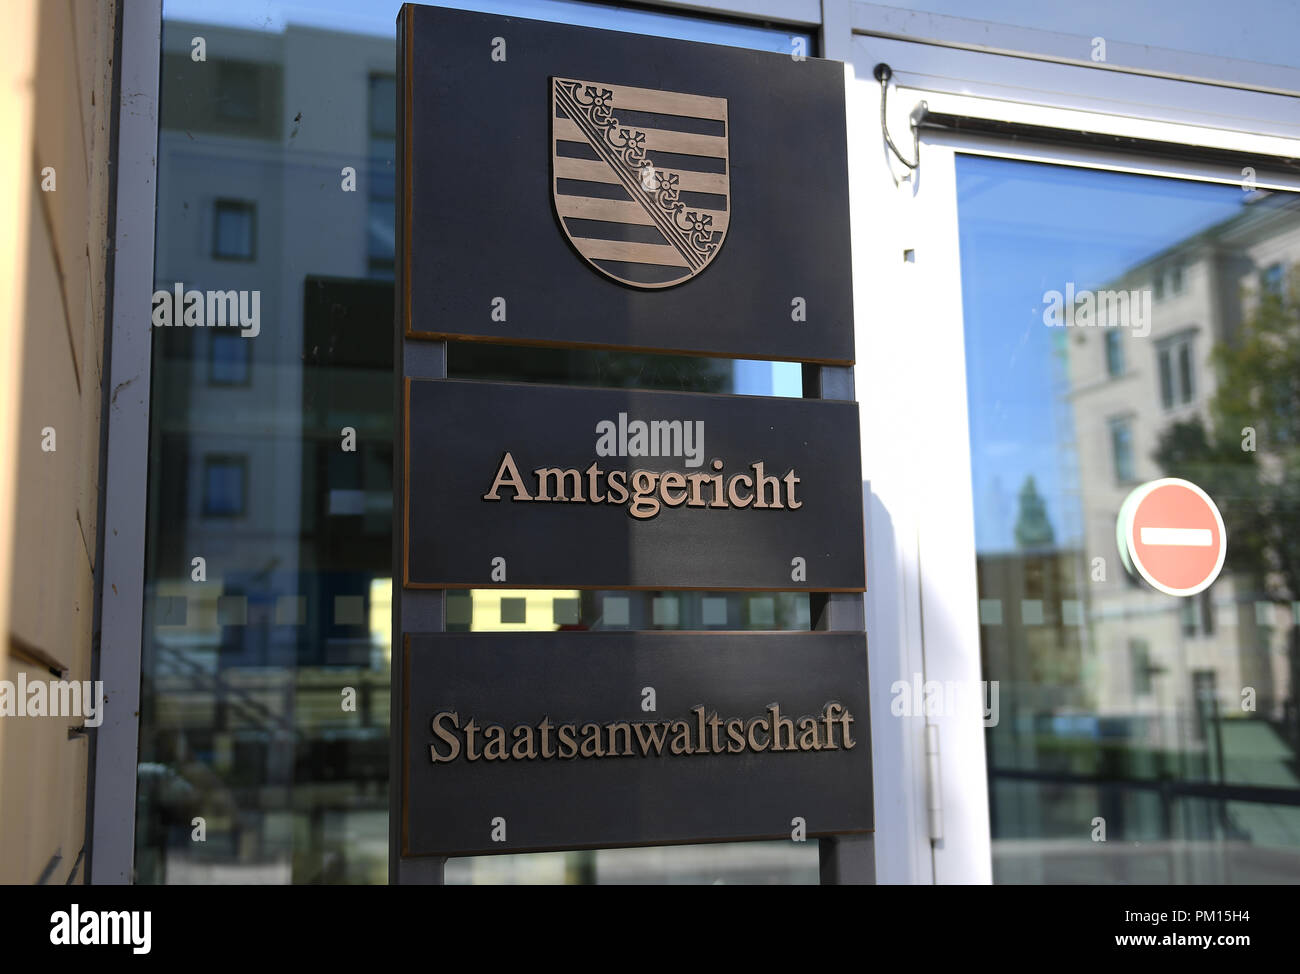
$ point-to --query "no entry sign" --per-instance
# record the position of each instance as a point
(1172, 534)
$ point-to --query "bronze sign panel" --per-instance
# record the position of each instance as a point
(530, 741)
(582, 188)
(513, 485)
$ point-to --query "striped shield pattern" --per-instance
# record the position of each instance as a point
(640, 179)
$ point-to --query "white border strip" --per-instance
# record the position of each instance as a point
(126, 473)
(1106, 123)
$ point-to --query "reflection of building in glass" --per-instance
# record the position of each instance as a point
(1174, 670)
(243, 720)
(1122, 707)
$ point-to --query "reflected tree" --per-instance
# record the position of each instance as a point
(1246, 453)
(1033, 529)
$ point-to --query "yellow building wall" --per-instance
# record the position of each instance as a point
(55, 111)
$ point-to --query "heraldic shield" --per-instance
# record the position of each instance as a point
(640, 179)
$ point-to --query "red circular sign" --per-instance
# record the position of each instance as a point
(1172, 534)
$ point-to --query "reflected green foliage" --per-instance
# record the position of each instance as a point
(1257, 490)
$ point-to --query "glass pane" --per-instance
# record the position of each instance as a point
(1198, 26)
(378, 16)
(265, 696)
(1167, 727)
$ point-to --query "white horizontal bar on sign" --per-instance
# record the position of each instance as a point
(595, 171)
(1182, 537)
(656, 140)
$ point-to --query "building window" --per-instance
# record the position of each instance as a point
(1198, 615)
(228, 359)
(1270, 280)
(1177, 279)
(1177, 381)
(383, 106)
(1114, 354)
(234, 230)
(1121, 449)
(238, 91)
(1140, 656)
(225, 486)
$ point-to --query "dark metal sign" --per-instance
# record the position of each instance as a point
(526, 742)
(569, 186)
(525, 486)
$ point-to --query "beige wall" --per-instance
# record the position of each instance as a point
(55, 98)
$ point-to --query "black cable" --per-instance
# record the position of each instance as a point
(883, 73)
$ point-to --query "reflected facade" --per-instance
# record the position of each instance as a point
(1143, 738)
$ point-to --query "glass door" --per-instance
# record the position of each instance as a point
(1122, 326)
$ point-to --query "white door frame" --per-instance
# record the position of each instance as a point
(922, 604)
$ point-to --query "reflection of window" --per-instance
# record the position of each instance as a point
(1177, 385)
(1198, 615)
(237, 90)
(383, 105)
(1114, 354)
(1121, 450)
(228, 359)
(1270, 280)
(1176, 279)
(379, 233)
(1205, 699)
(234, 228)
(381, 185)
(1140, 657)
(225, 486)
